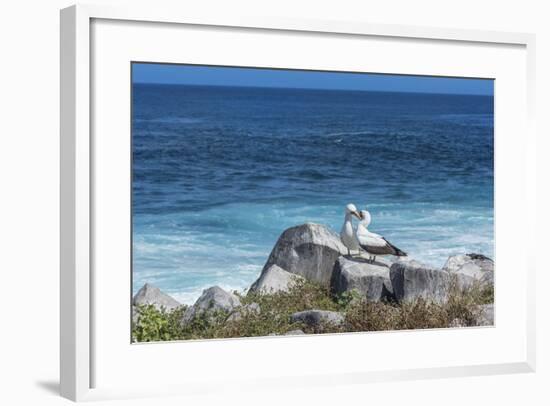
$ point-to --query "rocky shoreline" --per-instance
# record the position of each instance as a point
(313, 254)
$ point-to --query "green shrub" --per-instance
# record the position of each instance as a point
(157, 325)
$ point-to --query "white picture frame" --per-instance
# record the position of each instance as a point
(77, 345)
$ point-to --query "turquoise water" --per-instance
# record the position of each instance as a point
(220, 172)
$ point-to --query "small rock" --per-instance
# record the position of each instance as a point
(252, 308)
(135, 315)
(151, 295)
(456, 323)
(412, 280)
(294, 333)
(274, 279)
(309, 250)
(318, 319)
(212, 299)
(470, 268)
(371, 281)
(487, 315)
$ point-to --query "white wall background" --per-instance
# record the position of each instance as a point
(29, 203)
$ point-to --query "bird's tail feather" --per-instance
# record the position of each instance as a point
(400, 253)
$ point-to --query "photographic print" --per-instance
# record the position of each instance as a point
(277, 202)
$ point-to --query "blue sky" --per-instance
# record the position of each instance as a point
(228, 76)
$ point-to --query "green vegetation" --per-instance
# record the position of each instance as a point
(273, 316)
(157, 325)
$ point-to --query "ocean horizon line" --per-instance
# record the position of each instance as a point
(311, 89)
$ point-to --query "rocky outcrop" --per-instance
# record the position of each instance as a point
(309, 250)
(274, 279)
(212, 300)
(469, 268)
(370, 280)
(412, 280)
(151, 295)
(318, 319)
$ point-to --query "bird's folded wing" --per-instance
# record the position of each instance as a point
(371, 240)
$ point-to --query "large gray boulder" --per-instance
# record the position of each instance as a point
(469, 268)
(212, 300)
(370, 280)
(309, 250)
(318, 319)
(274, 279)
(151, 295)
(412, 280)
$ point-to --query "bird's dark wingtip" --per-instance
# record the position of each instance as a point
(399, 253)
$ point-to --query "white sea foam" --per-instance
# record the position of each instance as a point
(339, 134)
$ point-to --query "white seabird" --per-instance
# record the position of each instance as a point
(374, 244)
(347, 234)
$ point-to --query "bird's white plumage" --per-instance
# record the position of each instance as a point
(364, 236)
(347, 234)
(369, 239)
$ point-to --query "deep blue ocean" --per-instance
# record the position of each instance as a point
(220, 172)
